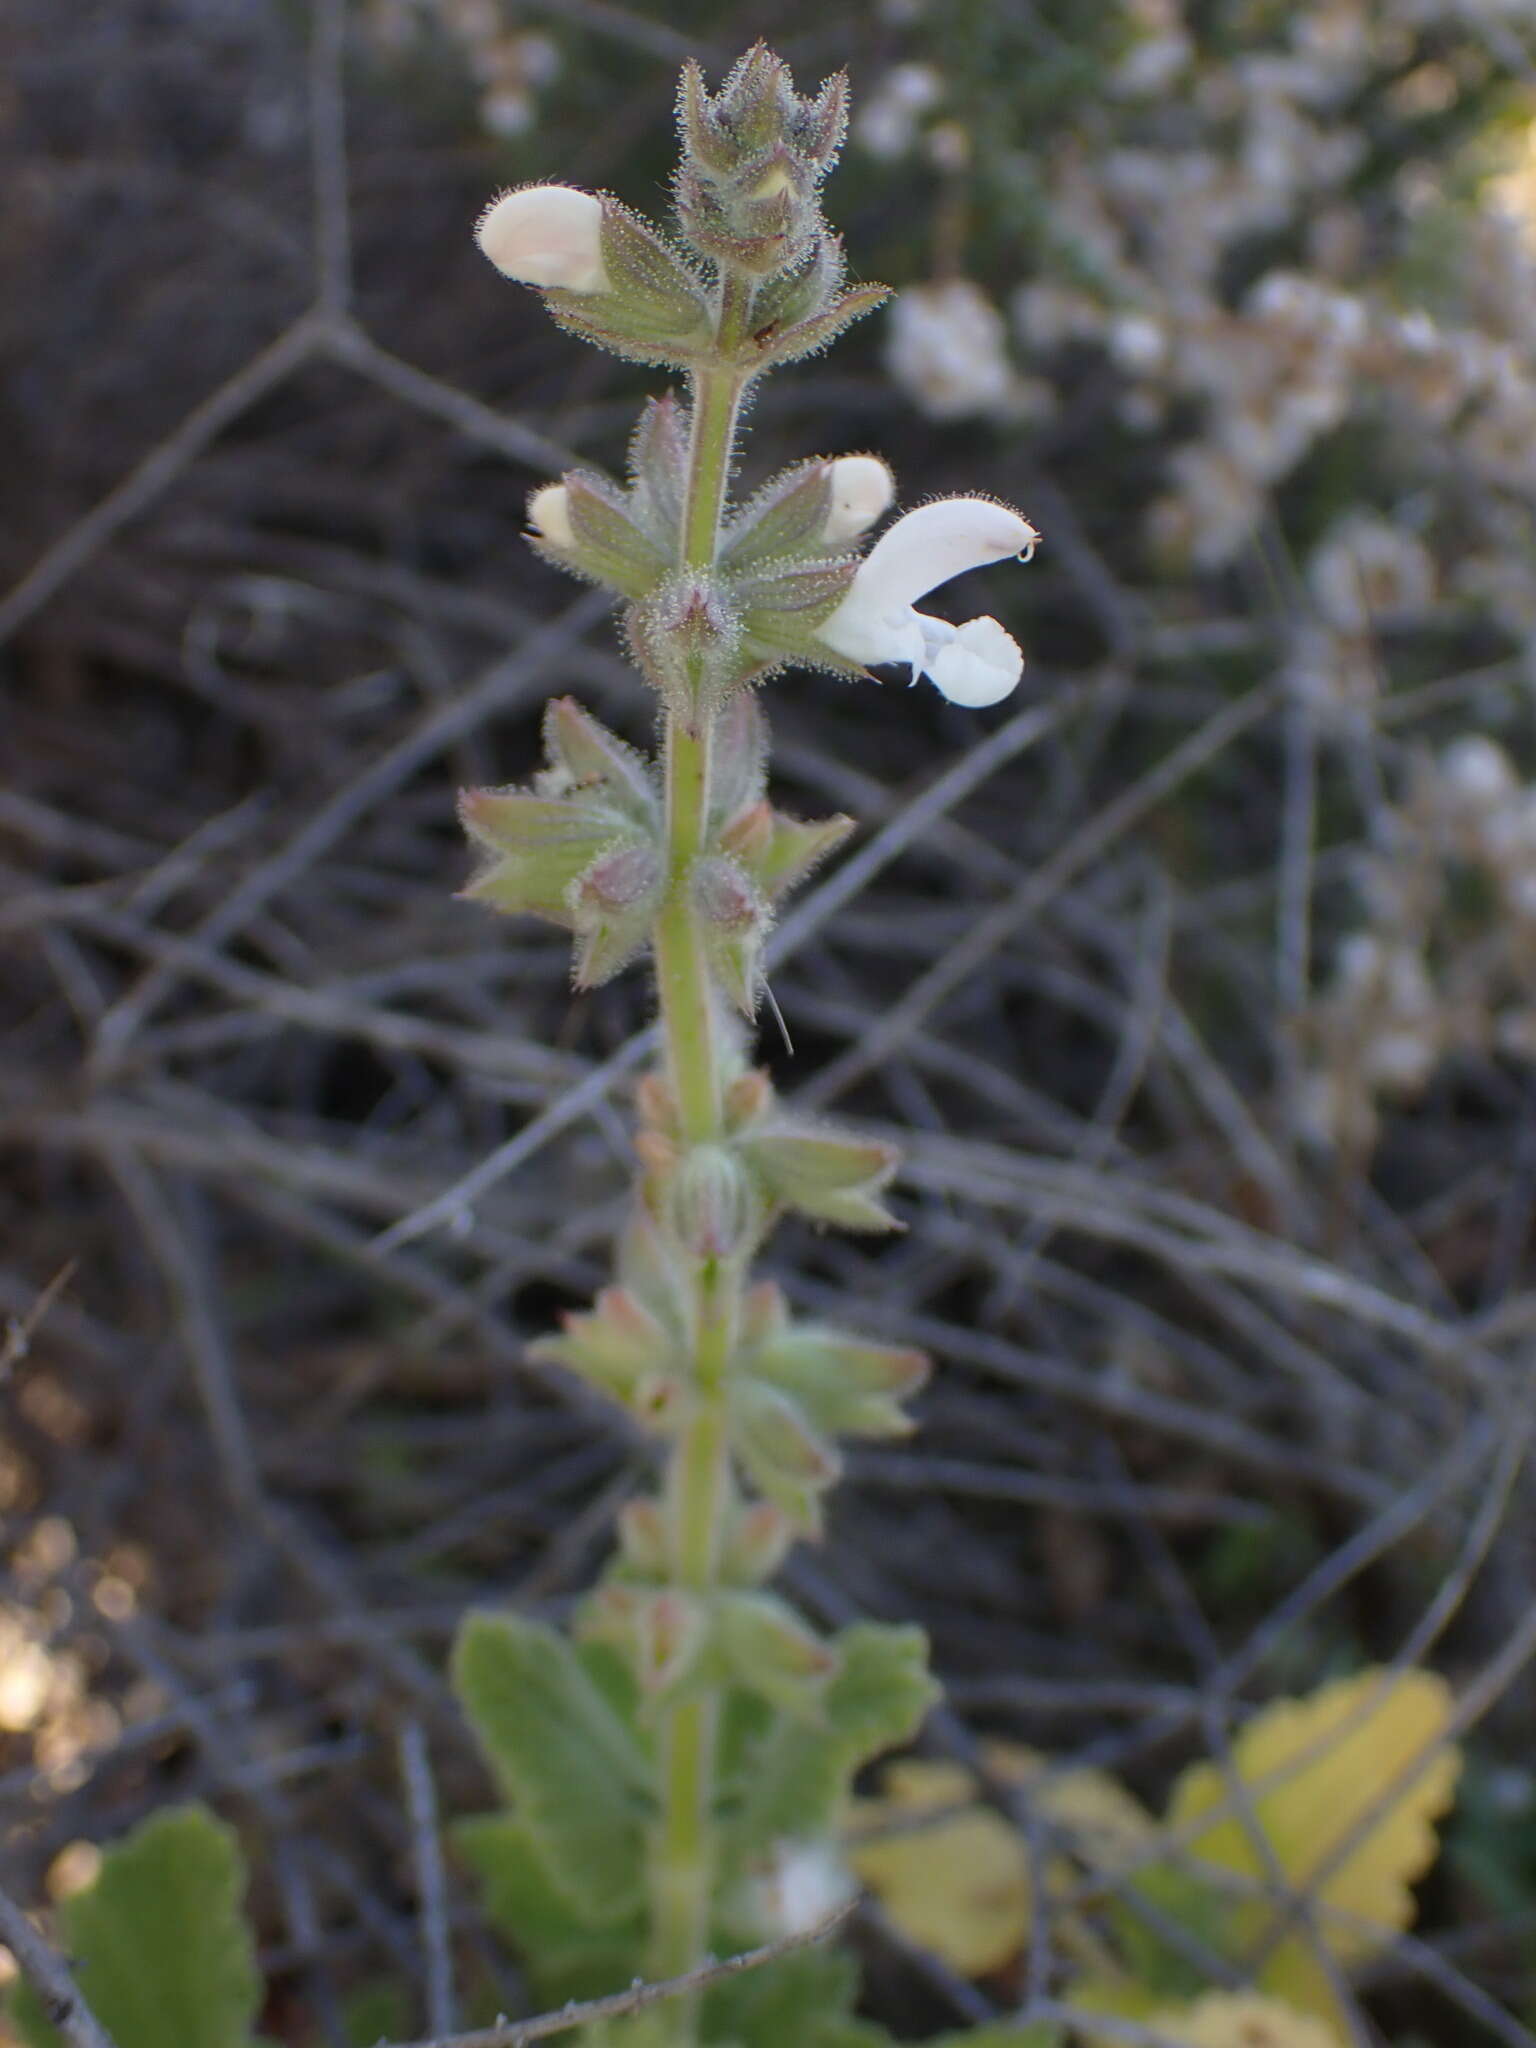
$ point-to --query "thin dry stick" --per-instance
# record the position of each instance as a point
(514, 2033)
(48, 1974)
(158, 470)
(328, 157)
(431, 1888)
(1007, 918)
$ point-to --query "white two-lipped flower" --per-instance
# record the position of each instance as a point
(974, 664)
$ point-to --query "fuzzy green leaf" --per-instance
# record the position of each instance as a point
(565, 1956)
(794, 1778)
(573, 1768)
(160, 1947)
(1003, 2034)
(790, 2003)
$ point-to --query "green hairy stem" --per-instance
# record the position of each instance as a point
(682, 1859)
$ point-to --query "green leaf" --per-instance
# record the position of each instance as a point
(1190, 1902)
(784, 2004)
(375, 2013)
(565, 1956)
(160, 1947)
(1002, 2034)
(573, 1768)
(794, 1777)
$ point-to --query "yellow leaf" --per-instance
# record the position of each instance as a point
(1103, 1824)
(1243, 2020)
(958, 1884)
(1317, 1767)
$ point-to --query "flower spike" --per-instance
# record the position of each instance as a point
(975, 664)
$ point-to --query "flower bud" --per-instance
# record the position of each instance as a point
(656, 1104)
(662, 1633)
(863, 489)
(686, 638)
(749, 1097)
(546, 235)
(767, 1648)
(643, 1536)
(756, 1544)
(735, 921)
(712, 1205)
(549, 514)
(786, 1458)
(613, 903)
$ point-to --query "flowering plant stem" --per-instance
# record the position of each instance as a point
(682, 1857)
(677, 1772)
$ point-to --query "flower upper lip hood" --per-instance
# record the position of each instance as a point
(974, 664)
(546, 235)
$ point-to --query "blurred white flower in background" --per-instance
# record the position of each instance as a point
(947, 348)
(508, 65)
(1367, 569)
(886, 120)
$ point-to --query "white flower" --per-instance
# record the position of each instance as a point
(862, 491)
(886, 123)
(947, 348)
(549, 514)
(546, 235)
(1477, 772)
(876, 622)
(804, 1886)
(1366, 566)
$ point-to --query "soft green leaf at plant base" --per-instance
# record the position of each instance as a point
(794, 1776)
(1190, 1902)
(159, 1943)
(377, 2012)
(791, 2003)
(565, 1956)
(1002, 2034)
(569, 1761)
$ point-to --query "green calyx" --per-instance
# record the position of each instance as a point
(656, 308)
(581, 848)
